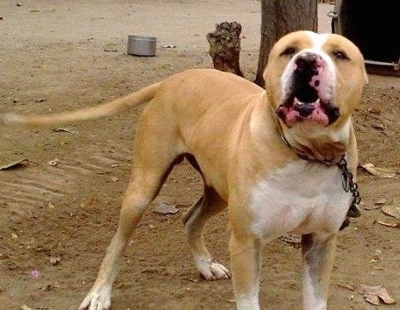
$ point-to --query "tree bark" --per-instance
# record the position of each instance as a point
(225, 47)
(279, 18)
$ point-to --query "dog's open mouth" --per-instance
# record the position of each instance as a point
(308, 92)
(306, 105)
(318, 111)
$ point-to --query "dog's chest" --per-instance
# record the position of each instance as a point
(303, 197)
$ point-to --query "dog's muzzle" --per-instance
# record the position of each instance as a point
(308, 87)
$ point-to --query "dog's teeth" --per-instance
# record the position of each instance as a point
(297, 102)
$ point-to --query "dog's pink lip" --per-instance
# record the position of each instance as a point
(299, 111)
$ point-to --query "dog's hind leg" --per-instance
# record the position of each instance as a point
(194, 219)
(153, 160)
(141, 191)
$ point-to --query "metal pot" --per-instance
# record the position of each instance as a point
(142, 45)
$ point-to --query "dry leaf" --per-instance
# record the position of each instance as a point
(370, 290)
(374, 294)
(387, 224)
(64, 130)
(164, 208)
(372, 299)
(347, 286)
(381, 202)
(387, 299)
(374, 207)
(25, 307)
(20, 163)
(392, 211)
(384, 173)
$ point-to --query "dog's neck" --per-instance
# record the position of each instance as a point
(326, 145)
(306, 156)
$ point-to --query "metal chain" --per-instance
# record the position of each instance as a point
(350, 186)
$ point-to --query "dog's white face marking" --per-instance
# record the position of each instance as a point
(303, 197)
(318, 40)
(308, 86)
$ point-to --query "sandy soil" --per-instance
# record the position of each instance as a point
(59, 211)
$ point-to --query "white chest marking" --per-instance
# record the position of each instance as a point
(303, 197)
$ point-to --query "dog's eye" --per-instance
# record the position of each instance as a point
(290, 51)
(340, 55)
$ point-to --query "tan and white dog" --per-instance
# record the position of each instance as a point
(270, 156)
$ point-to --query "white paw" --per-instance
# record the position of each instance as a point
(211, 270)
(97, 299)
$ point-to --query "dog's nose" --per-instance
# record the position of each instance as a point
(308, 62)
(307, 66)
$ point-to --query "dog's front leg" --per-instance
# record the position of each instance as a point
(245, 253)
(318, 252)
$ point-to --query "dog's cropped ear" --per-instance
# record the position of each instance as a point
(366, 79)
(364, 68)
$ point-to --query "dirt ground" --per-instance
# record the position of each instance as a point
(59, 210)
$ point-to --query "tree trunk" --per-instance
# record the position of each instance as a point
(279, 18)
(225, 47)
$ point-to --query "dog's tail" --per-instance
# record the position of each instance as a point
(107, 109)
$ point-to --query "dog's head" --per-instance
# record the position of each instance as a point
(314, 83)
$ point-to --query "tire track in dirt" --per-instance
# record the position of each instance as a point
(38, 185)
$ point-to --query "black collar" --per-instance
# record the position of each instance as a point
(304, 157)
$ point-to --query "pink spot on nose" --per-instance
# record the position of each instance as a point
(319, 62)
